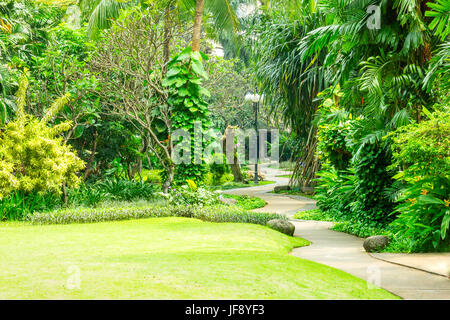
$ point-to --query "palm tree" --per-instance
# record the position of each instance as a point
(289, 83)
(196, 33)
(440, 63)
(23, 35)
(101, 12)
(382, 71)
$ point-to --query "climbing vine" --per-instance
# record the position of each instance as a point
(184, 79)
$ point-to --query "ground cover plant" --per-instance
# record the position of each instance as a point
(126, 211)
(314, 214)
(246, 202)
(295, 191)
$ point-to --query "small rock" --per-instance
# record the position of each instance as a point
(281, 188)
(227, 200)
(375, 243)
(282, 226)
(308, 190)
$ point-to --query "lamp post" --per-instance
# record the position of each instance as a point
(255, 98)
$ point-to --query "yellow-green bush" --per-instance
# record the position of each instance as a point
(33, 158)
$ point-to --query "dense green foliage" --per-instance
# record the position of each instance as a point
(24, 34)
(218, 168)
(388, 65)
(364, 194)
(354, 172)
(422, 152)
(111, 189)
(19, 204)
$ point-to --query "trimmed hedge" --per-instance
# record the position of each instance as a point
(218, 213)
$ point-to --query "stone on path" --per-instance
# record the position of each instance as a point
(282, 226)
(281, 188)
(375, 243)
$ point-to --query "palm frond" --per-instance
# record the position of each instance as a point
(102, 14)
(440, 11)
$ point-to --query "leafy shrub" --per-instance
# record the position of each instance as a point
(218, 169)
(150, 176)
(354, 174)
(245, 172)
(332, 145)
(112, 190)
(226, 178)
(218, 213)
(33, 159)
(423, 152)
(335, 192)
(191, 196)
(371, 179)
(358, 193)
(18, 204)
(360, 229)
(126, 190)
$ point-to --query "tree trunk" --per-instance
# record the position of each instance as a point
(65, 195)
(236, 170)
(196, 35)
(233, 161)
(167, 38)
(169, 180)
(88, 169)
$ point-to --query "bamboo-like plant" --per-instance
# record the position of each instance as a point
(33, 157)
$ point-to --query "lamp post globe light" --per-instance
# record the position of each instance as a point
(255, 98)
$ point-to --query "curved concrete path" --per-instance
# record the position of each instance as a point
(277, 203)
(344, 251)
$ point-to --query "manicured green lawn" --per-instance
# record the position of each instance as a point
(164, 258)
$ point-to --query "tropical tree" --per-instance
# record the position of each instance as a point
(99, 13)
(440, 63)
(24, 29)
(379, 52)
(289, 82)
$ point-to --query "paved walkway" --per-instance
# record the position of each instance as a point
(345, 252)
(437, 263)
